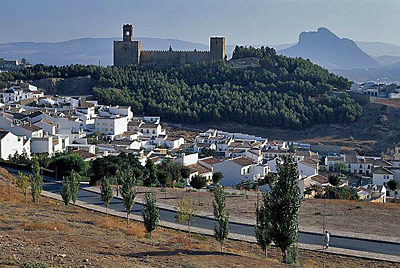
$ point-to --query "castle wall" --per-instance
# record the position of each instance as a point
(151, 57)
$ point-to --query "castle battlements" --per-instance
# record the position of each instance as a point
(127, 52)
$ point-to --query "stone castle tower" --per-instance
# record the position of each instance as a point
(127, 52)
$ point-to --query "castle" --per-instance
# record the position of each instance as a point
(128, 52)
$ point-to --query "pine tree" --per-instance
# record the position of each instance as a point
(150, 213)
(106, 192)
(36, 181)
(263, 227)
(283, 205)
(221, 228)
(23, 183)
(128, 190)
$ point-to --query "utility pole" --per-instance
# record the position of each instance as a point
(323, 231)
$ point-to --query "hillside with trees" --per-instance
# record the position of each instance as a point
(279, 92)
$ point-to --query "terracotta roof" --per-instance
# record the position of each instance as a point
(198, 168)
(134, 123)
(210, 160)
(309, 162)
(243, 161)
(319, 179)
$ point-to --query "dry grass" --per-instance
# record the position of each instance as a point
(49, 226)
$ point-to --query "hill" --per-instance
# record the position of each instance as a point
(84, 51)
(281, 92)
(377, 49)
(328, 50)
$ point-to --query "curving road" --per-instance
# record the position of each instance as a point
(167, 215)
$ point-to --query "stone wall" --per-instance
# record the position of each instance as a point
(174, 58)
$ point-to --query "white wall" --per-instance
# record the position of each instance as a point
(11, 144)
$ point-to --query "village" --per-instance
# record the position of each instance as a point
(33, 123)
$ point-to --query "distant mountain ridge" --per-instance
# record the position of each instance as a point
(328, 50)
(85, 50)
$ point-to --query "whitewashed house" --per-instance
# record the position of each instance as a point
(11, 144)
(27, 130)
(381, 175)
(111, 126)
(235, 170)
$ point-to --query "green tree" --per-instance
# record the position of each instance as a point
(164, 178)
(128, 190)
(341, 168)
(106, 192)
(66, 190)
(150, 178)
(185, 172)
(65, 164)
(283, 205)
(393, 185)
(75, 180)
(334, 180)
(150, 213)
(186, 210)
(23, 183)
(221, 228)
(217, 177)
(36, 181)
(198, 182)
(263, 227)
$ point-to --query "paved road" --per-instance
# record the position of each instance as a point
(305, 238)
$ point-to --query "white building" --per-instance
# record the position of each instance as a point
(381, 175)
(11, 144)
(235, 170)
(111, 125)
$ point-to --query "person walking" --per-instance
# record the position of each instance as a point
(326, 239)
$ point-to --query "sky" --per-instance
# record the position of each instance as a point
(244, 22)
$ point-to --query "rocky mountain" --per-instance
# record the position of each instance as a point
(84, 51)
(330, 51)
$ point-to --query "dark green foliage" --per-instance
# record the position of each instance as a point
(341, 168)
(22, 159)
(65, 164)
(262, 229)
(282, 92)
(128, 189)
(109, 165)
(198, 182)
(106, 192)
(334, 180)
(217, 177)
(150, 213)
(173, 168)
(36, 181)
(185, 172)
(66, 190)
(221, 228)
(150, 177)
(342, 193)
(164, 178)
(283, 206)
(393, 185)
(208, 152)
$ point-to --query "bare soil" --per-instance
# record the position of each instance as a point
(60, 236)
(340, 215)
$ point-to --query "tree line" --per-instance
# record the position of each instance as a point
(281, 92)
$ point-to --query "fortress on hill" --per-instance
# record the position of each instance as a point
(128, 52)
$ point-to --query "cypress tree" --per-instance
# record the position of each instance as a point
(106, 192)
(221, 228)
(283, 205)
(128, 190)
(150, 213)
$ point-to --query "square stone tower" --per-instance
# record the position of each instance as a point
(217, 48)
(126, 52)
